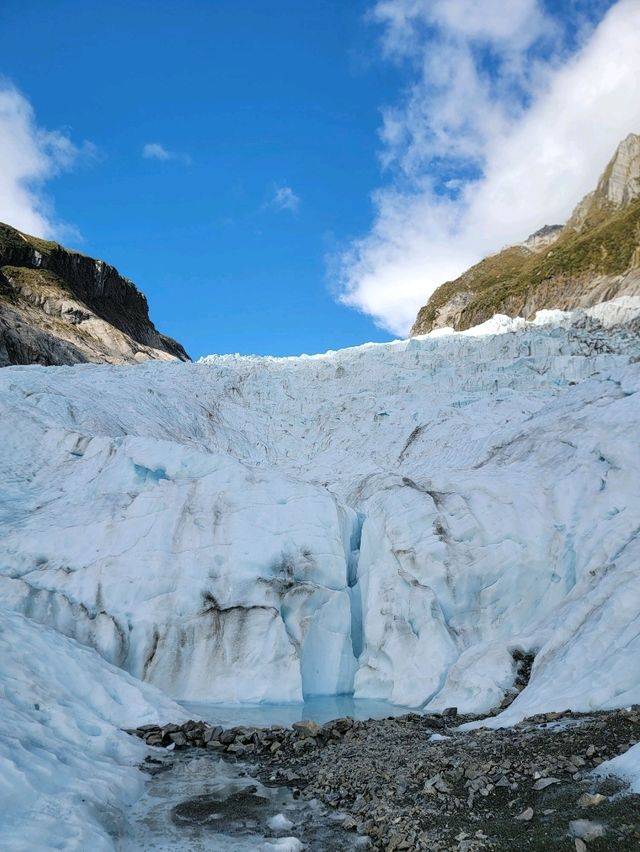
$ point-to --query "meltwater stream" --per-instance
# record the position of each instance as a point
(199, 802)
(196, 800)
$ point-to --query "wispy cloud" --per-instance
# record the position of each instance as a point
(30, 156)
(284, 198)
(157, 151)
(506, 124)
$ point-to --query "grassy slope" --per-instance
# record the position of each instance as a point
(12, 238)
(605, 246)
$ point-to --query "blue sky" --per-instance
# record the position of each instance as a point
(251, 96)
(296, 150)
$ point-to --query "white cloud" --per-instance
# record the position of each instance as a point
(29, 157)
(531, 163)
(284, 198)
(156, 151)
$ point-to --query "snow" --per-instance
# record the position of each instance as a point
(279, 822)
(625, 766)
(67, 771)
(282, 844)
(391, 520)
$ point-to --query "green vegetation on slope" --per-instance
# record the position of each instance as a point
(607, 245)
(12, 240)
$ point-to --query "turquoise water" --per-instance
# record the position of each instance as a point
(320, 709)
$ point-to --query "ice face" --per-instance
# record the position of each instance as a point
(67, 771)
(212, 579)
(392, 519)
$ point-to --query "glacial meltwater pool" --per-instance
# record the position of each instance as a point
(319, 709)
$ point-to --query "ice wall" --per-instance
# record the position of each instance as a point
(394, 519)
(190, 569)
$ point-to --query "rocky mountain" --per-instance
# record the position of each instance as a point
(593, 258)
(58, 306)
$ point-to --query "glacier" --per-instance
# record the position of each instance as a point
(67, 772)
(392, 520)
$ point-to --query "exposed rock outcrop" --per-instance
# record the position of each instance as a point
(619, 185)
(545, 236)
(60, 307)
(593, 258)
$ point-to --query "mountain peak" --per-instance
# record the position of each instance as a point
(620, 182)
(593, 258)
(543, 237)
(619, 185)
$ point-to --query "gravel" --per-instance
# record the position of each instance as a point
(529, 787)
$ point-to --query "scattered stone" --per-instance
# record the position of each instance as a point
(227, 737)
(586, 829)
(307, 728)
(545, 782)
(216, 746)
(590, 800)
(391, 783)
(211, 734)
(526, 815)
(304, 745)
(342, 725)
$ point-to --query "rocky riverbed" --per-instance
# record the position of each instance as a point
(426, 783)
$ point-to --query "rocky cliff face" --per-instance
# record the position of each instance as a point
(593, 258)
(61, 307)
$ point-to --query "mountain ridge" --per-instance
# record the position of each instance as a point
(61, 307)
(593, 258)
